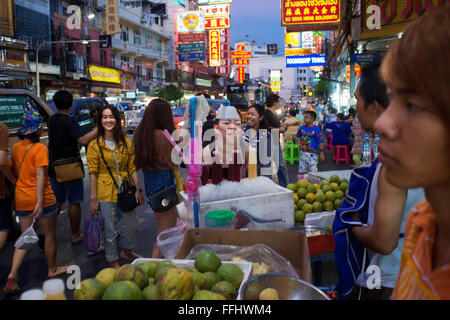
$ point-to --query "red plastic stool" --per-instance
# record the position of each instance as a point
(329, 140)
(338, 156)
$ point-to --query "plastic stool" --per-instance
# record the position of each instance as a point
(329, 140)
(292, 153)
(338, 156)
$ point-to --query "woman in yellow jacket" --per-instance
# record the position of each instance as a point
(118, 154)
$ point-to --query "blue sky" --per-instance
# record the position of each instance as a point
(259, 19)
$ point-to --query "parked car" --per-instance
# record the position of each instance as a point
(133, 122)
(124, 105)
(214, 105)
(14, 103)
(178, 114)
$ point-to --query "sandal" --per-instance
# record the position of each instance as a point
(79, 241)
(133, 256)
(59, 271)
(11, 289)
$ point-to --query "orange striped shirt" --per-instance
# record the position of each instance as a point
(417, 280)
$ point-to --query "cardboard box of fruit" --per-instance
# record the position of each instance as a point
(291, 244)
(205, 278)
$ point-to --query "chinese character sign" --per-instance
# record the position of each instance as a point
(217, 23)
(241, 74)
(301, 12)
(112, 17)
(214, 48)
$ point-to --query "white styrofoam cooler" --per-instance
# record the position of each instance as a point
(246, 267)
(271, 205)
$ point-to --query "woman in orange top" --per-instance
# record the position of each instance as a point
(34, 197)
(414, 148)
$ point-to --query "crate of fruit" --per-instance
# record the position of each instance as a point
(316, 202)
(205, 278)
(185, 281)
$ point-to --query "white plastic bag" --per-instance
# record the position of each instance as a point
(169, 240)
(27, 239)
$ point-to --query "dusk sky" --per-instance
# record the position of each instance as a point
(260, 19)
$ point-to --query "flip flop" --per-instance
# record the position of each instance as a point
(124, 256)
(59, 271)
(79, 241)
(15, 290)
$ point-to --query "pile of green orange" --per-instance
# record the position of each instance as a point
(310, 198)
(208, 279)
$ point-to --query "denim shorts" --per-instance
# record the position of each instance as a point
(72, 191)
(47, 212)
(156, 180)
(5, 214)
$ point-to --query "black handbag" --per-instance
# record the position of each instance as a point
(164, 199)
(126, 193)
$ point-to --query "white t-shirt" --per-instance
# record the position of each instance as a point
(112, 146)
(389, 264)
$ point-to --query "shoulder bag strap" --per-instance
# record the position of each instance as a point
(109, 170)
(20, 166)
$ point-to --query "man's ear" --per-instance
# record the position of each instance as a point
(378, 109)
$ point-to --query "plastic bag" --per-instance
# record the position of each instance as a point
(169, 240)
(258, 253)
(27, 239)
(93, 234)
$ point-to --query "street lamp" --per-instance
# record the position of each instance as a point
(38, 85)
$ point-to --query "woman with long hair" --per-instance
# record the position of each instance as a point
(153, 156)
(34, 198)
(110, 160)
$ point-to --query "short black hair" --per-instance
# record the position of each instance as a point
(372, 87)
(352, 111)
(33, 137)
(340, 116)
(293, 112)
(272, 99)
(311, 113)
(63, 100)
(331, 109)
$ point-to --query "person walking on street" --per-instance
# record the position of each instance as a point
(311, 142)
(64, 135)
(110, 161)
(5, 194)
(34, 198)
(273, 104)
(153, 156)
(341, 131)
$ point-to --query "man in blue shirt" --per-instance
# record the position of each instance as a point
(341, 131)
(311, 142)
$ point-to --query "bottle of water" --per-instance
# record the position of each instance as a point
(375, 146)
(366, 150)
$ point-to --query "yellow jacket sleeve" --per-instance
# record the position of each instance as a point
(93, 157)
(131, 167)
